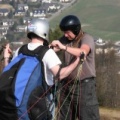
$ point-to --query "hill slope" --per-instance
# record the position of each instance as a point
(101, 18)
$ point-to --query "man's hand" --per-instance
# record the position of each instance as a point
(7, 51)
(57, 45)
(82, 57)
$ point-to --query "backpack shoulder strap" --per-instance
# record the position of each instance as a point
(38, 52)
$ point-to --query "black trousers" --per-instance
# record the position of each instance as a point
(79, 100)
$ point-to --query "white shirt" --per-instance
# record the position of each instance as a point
(50, 60)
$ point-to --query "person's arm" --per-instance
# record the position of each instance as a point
(77, 51)
(74, 51)
(65, 71)
(7, 54)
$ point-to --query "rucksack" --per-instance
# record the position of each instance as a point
(22, 87)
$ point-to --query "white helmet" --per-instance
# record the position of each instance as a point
(40, 27)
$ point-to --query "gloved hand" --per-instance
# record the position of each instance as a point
(82, 57)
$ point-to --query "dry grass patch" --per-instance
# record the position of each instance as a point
(109, 114)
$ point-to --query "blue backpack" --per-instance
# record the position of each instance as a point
(23, 88)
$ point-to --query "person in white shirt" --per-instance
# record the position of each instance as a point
(38, 31)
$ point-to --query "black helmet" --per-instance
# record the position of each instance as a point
(71, 23)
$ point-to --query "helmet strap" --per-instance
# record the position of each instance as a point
(45, 43)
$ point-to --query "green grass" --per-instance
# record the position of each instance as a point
(102, 17)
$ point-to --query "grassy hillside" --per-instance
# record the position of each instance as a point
(101, 18)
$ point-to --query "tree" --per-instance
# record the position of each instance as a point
(10, 15)
(55, 34)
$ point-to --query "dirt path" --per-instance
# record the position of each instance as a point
(109, 114)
